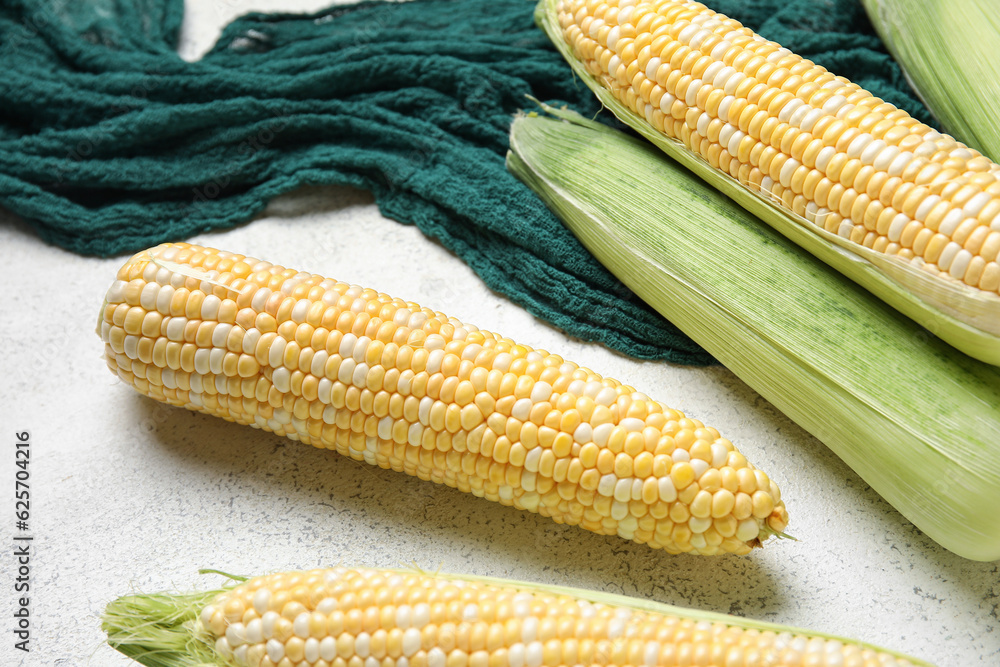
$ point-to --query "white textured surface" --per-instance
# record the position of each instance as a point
(131, 495)
(203, 21)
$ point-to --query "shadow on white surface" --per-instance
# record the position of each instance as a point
(345, 507)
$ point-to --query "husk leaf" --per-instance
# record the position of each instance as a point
(950, 53)
(161, 629)
(916, 419)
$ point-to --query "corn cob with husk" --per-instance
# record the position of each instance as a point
(950, 53)
(918, 420)
(909, 213)
(395, 385)
(343, 617)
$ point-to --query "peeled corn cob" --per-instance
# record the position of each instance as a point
(365, 618)
(861, 174)
(395, 385)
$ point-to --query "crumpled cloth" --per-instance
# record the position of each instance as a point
(110, 142)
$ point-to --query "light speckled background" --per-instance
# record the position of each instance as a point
(131, 495)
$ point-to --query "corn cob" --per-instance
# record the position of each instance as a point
(369, 618)
(398, 386)
(822, 152)
(822, 146)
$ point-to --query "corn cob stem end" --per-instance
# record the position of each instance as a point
(162, 630)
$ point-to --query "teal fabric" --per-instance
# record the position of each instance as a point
(109, 142)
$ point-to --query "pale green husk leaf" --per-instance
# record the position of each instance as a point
(162, 629)
(966, 317)
(916, 419)
(950, 52)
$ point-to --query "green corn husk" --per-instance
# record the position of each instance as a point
(965, 317)
(950, 53)
(915, 418)
(163, 630)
